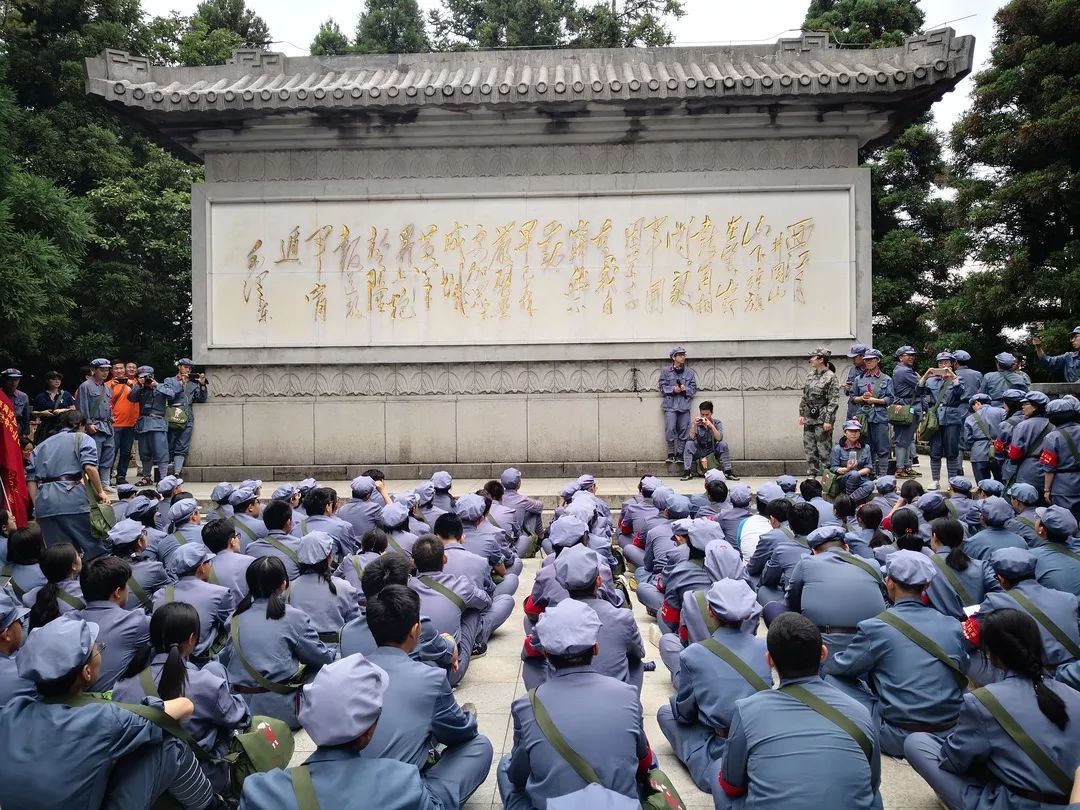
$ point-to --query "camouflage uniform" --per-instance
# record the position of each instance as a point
(821, 394)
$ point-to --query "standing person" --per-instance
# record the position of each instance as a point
(189, 390)
(1026, 443)
(945, 393)
(55, 478)
(9, 383)
(986, 761)
(49, 404)
(817, 410)
(907, 390)
(970, 381)
(997, 382)
(981, 429)
(125, 415)
(1068, 364)
(678, 384)
(872, 394)
(1060, 457)
(153, 398)
(94, 401)
(858, 364)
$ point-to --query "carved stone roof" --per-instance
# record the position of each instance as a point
(807, 68)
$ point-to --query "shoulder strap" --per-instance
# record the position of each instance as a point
(146, 680)
(940, 395)
(179, 538)
(802, 541)
(395, 545)
(439, 588)
(985, 428)
(851, 559)
(1047, 623)
(170, 594)
(74, 601)
(927, 643)
(788, 533)
(213, 578)
(140, 593)
(703, 609)
(7, 579)
(833, 715)
(1072, 444)
(1057, 548)
(258, 677)
(284, 549)
(1023, 740)
(950, 506)
(303, 526)
(736, 663)
(303, 789)
(357, 567)
(1026, 522)
(558, 741)
(241, 526)
(954, 580)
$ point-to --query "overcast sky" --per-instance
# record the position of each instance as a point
(294, 24)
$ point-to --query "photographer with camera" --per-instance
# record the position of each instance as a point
(706, 438)
(153, 399)
(180, 415)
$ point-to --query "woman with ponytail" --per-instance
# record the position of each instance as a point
(979, 765)
(165, 671)
(61, 593)
(905, 530)
(328, 601)
(967, 580)
(275, 647)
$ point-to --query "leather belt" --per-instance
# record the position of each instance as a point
(249, 690)
(1039, 796)
(62, 478)
(930, 727)
(831, 628)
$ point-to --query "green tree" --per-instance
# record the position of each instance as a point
(869, 23)
(391, 26)
(234, 16)
(465, 24)
(109, 211)
(202, 45)
(636, 23)
(330, 40)
(43, 235)
(916, 243)
(1017, 163)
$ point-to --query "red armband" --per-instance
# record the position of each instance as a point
(730, 790)
(625, 529)
(972, 630)
(1048, 458)
(659, 584)
(684, 634)
(669, 614)
(639, 540)
(645, 764)
(531, 651)
(1015, 453)
(925, 598)
(886, 523)
(531, 609)
(999, 445)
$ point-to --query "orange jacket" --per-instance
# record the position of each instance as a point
(125, 412)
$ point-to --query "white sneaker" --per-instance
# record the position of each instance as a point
(934, 487)
(108, 488)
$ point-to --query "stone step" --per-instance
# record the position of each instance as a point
(486, 471)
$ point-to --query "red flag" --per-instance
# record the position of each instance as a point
(15, 496)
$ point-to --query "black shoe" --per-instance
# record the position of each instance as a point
(730, 475)
(671, 459)
(479, 651)
(688, 476)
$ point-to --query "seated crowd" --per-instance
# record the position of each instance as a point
(938, 627)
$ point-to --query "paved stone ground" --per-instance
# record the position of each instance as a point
(494, 681)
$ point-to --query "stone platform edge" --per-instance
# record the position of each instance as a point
(410, 472)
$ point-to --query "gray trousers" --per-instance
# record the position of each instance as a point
(646, 591)
(461, 769)
(692, 453)
(670, 648)
(508, 586)
(903, 435)
(676, 426)
(923, 753)
(691, 742)
(139, 779)
(74, 529)
(502, 605)
(106, 449)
